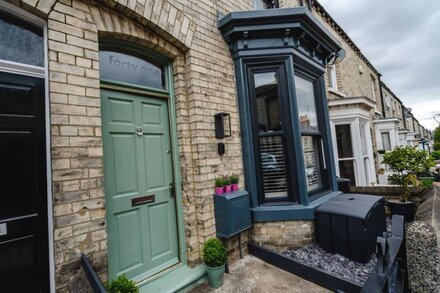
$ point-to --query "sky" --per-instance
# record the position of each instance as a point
(401, 38)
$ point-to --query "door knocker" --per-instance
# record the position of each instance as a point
(139, 130)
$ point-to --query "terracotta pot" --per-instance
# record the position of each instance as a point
(405, 209)
(219, 190)
(227, 188)
(235, 187)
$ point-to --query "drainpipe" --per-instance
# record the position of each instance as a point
(381, 95)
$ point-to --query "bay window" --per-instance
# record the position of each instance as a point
(272, 133)
(281, 160)
(280, 59)
(310, 133)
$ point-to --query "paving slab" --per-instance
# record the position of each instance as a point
(253, 275)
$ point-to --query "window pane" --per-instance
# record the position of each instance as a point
(20, 41)
(268, 103)
(305, 95)
(311, 161)
(273, 167)
(343, 140)
(126, 68)
(265, 4)
(386, 141)
(346, 170)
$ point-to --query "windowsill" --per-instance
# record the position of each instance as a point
(336, 92)
(270, 212)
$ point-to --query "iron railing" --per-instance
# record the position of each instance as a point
(390, 273)
(93, 278)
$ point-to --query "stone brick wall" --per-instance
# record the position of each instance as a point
(184, 31)
(396, 106)
(281, 235)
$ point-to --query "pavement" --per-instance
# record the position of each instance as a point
(252, 275)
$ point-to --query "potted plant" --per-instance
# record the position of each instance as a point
(219, 185)
(406, 162)
(234, 178)
(122, 285)
(227, 183)
(214, 255)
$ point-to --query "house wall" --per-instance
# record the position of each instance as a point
(354, 79)
(395, 111)
(282, 235)
(184, 31)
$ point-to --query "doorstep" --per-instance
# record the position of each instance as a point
(180, 279)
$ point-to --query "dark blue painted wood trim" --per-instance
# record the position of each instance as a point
(269, 213)
(326, 135)
(297, 38)
(302, 180)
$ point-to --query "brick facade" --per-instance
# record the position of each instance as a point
(284, 234)
(185, 31)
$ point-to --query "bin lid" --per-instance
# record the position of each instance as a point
(350, 205)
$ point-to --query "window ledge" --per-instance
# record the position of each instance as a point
(336, 92)
(270, 213)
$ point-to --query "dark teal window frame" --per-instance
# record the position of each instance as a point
(300, 203)
(297, 39)
(279, 65)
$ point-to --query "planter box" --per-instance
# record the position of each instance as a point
(232, 213)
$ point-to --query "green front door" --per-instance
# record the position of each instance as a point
(141, 211)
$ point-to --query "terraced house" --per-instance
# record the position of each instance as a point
(108, 142)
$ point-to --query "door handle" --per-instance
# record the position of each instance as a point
(143, 200)
(139, 130)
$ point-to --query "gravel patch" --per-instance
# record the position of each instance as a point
(423, 258)
(335, 264)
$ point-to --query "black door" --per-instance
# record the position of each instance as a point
(23, 207)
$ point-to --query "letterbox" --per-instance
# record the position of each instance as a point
(232, 213)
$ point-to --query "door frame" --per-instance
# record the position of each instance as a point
(41, 72)
(170, 97)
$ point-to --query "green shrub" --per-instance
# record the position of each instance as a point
(436, 155)
(437, 134)
(234, 178)
(226, 180)
(426, 182)
(436, 146)
(122, 285)
(407, 162)
(219, 182)
(214, 253)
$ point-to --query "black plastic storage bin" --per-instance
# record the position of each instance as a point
(232, 213)
(349, 224)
